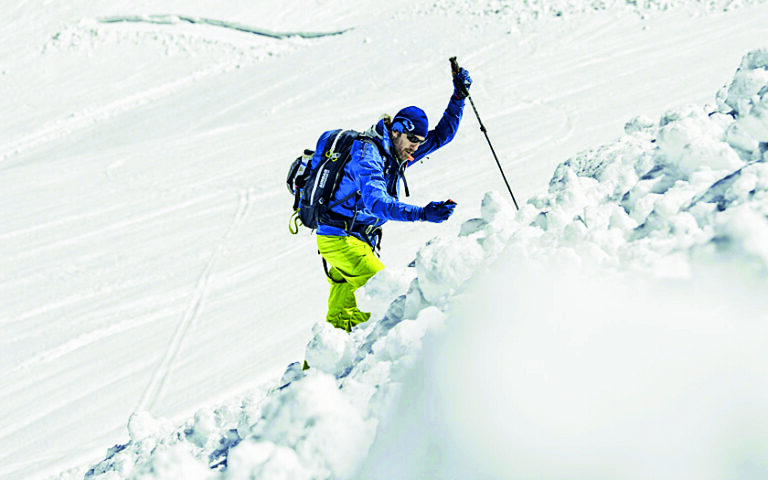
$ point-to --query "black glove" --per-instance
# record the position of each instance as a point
(461, 84)
(438, 212)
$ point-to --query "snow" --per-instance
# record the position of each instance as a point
(156, 311)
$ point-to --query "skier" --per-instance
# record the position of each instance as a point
(350, 232)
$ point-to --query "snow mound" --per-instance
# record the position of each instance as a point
(598, 385)
(669, 191)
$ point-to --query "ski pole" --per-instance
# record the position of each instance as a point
(455, 71)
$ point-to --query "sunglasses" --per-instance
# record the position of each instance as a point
(414, 139)
(404, 125)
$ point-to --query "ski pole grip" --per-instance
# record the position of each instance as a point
(454, 66)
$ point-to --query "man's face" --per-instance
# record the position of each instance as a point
(405, 147)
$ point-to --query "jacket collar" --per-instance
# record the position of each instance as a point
(380, 133)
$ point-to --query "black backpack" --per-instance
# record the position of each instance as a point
(313, 185)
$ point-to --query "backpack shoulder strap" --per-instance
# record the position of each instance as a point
(331, 152)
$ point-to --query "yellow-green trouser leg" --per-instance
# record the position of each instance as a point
(352, 264)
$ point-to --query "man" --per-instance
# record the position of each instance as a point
(368, 195)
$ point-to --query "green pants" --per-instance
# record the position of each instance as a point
(352, 264)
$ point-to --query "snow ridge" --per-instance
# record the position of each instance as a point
(167, 19)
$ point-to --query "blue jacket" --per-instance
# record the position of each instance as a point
(374, 171)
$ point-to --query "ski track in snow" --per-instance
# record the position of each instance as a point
(59, 222)
(163, 371)
(52, 407)
(90, 117)
(139, 220)
(81, 341)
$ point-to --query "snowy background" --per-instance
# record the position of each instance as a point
(154, 305)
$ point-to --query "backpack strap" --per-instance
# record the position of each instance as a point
(293, 222)
(356, 193)
(401, 174)
(330, 153)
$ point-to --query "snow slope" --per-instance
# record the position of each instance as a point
(627, 340)
(145, 261)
